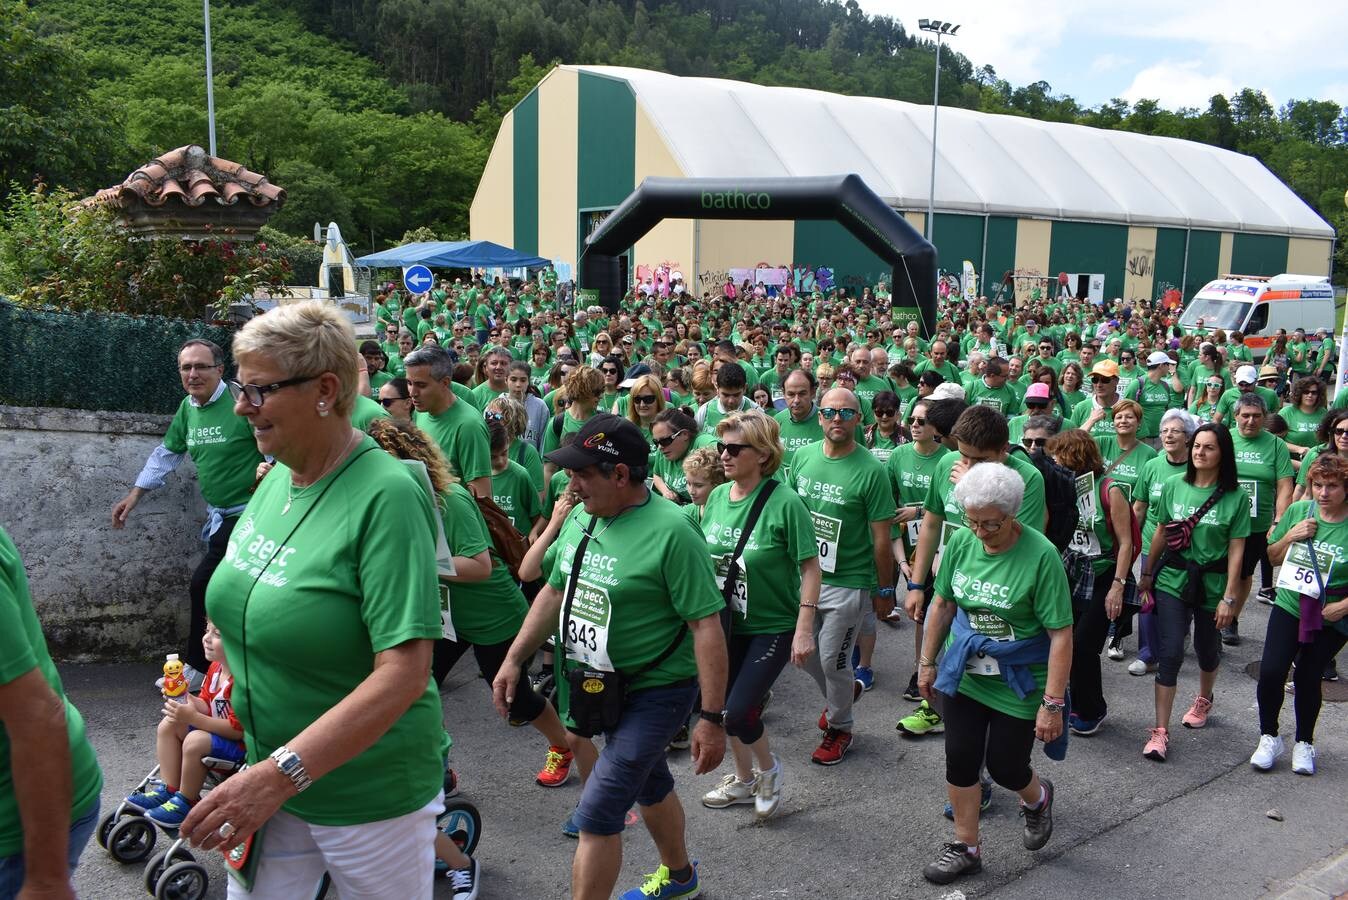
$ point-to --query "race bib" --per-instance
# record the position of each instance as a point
(585, 633)
(993, 626)
(947, 529)
(1251, 488)
(1085, 542)
(827, 530)
(740, 598)
(994, 402)
(1298, 572)
(1084, 539)
(913, 526)
(446, 620)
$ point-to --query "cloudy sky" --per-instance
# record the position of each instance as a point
(1178, 53)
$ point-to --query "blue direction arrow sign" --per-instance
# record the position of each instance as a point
(417, 279)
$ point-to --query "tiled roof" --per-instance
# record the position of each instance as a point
(192, 177)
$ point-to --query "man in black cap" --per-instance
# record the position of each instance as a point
(630, 578)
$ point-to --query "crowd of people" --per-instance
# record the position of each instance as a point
(636, 519)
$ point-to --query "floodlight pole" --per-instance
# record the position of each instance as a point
(210, 90)
(940, 29)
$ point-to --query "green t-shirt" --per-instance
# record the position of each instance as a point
(1013, 595)
(844, 496)
(1227, 402)
(484, 612)
(711, 413)
(364, 411)
(484, 393)
(513, 490)
(1228, 518)
(1155, 398)
(462, 435)
(795, 435)
(347, 573)
(1306, 461)
(767, 598)
(1301, 426)
(527, 455)
(1004, 399)
(1082, 411)
(645, 573)
(1261, 463)
(552, 437)
(1331, 545)
(1150, 477)
(881, 447)
(671, 471)
(1126, 470)
(940, 499)
(22, 649)
(910, 475)
(221, 445)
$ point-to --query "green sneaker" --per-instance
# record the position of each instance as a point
(923, 720)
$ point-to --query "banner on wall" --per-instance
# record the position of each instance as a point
(1343, 355)
(970, 282)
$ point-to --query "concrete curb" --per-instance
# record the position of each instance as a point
(1324, 881)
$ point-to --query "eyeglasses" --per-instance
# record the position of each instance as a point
(917, 421)
(1031, 443)
(257, 393)
(732, 449)
(664, 442)
(387, 402)
(845, 414)
(1126, 359)
(991, 526)
(1341, 432)
(189, 368)
(885, 412)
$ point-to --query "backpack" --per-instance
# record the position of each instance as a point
(506, 542)
(1060, 498)
(1133, 526)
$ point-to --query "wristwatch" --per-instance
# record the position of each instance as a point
(1122, 581)
(1229, 601)
(715, 718)
(1052, 706)
(292, 767)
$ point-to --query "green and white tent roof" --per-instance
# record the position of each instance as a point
(993, 164)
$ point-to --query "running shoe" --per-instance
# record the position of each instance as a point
(894, 619)
(1084, 727)
(911, 693)
(955, 861)
(865, 677)
(569, 827)
(1039, 821)
(1231, 634)
(556, 768)
(856, 655)
(729, 792)
(1266, 596)
(1197, 716)
(823, 720)
(984, 801)
(832, 748)
(1141, 667)
(1115, 652)
(451, 783)
(768, 792)
(681, 740)
(464, 882)
(1270, 748)
(1303, 758)
(659, 886)
(1331, 671)
(1157, 745)
(149, 799)
(923, 720)
(172, 811)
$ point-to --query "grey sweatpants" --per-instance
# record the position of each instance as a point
(835, 630)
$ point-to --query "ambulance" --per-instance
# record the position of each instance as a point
(1258, 306)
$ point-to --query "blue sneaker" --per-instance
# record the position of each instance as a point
(659, 886)
(172, 811)
(984, 802)
(865, 677)
(1084, 727)
(147, 800)
(569, 827)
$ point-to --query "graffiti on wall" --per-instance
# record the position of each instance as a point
(1138, 273)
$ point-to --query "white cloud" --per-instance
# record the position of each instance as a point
(1108, 62)
(1178, 84)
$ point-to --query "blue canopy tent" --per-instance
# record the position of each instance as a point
(452, 255)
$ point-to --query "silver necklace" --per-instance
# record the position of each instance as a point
(291, 496)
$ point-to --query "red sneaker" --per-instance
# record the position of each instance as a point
(833, 748)
(556, 769)
(823, 720)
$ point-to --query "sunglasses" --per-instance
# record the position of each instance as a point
(1341, 432)
(1031, 443)
(492, 416)
(609, 371)
(1099, 379)
(1035, 405)
(644, 399)
(845, 414)
(664, 442)
(387, 402)
(732, 449)
(885, 412)
(917, 420)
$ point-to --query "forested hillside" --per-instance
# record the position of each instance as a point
(380, 113)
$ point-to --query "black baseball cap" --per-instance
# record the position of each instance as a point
(603, 438)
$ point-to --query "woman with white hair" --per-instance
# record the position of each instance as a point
(1177, 427)
(1002, 596)
(330, 644)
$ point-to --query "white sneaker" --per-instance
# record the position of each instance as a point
(1139, 667)
(1267, 753)
(1303, 758)
(768, 794)
(730, 791)
(1115, 653)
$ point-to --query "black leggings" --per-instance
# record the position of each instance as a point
(1172, 626)
(755, 662)
(1281, 649)
(195, 655)
(971, 728)
(527, 705)
(1088, 639)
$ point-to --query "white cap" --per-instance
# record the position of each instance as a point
(1246, 375)
(947, 390)
(1158, 358)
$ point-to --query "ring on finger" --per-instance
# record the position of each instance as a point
(225, 831)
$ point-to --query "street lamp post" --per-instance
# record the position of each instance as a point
(210, 89)
(941, 30)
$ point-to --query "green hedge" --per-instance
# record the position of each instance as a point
(103, 361)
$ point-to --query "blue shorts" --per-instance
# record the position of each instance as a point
(224, 748)
(632, 767)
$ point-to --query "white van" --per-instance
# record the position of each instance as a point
(1258, 306)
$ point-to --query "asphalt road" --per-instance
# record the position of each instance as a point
(1126, 827)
